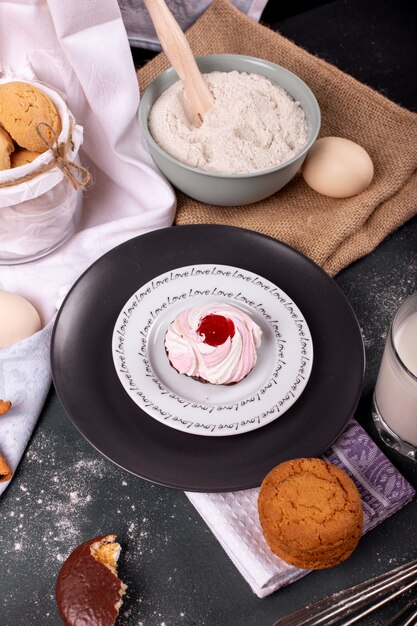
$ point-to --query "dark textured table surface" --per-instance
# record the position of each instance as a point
(65, 492)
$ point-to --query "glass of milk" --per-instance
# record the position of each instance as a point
(395, 398)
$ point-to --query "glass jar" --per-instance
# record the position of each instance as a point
(40, 207)
(34, 228)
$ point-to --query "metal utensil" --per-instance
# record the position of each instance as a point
(343, 605)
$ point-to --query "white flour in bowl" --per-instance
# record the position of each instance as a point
(254, 125)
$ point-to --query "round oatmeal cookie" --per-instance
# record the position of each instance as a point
(6, 149)
(310, 513)
(22, 107)
(23, 157)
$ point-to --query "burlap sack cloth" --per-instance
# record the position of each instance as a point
(332, 232)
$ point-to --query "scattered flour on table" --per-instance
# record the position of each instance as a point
(60, 507)
(253, 125)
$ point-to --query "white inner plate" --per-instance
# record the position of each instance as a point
(280, 374)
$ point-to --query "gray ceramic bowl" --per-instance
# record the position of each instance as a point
(229, 189)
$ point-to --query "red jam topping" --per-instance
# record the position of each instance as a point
(216, 329)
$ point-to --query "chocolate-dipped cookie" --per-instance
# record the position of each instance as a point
(88, 590)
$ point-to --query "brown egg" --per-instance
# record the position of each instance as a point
(18, 319)
(337, 167)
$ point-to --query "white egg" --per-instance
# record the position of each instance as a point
(18, 319)
(337, 167)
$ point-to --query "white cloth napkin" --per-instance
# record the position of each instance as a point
(82, 51)
(233, 517)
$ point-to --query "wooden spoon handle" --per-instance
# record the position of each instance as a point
(178, 51)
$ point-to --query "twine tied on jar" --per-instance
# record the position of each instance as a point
(77, 174)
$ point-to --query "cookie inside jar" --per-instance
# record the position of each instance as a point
(41, 179)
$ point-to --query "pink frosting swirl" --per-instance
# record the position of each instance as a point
(222, 364)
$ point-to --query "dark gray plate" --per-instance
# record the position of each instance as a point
(92, 396)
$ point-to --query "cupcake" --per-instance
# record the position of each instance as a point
(213, 343)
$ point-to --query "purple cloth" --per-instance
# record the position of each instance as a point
(383, 489)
